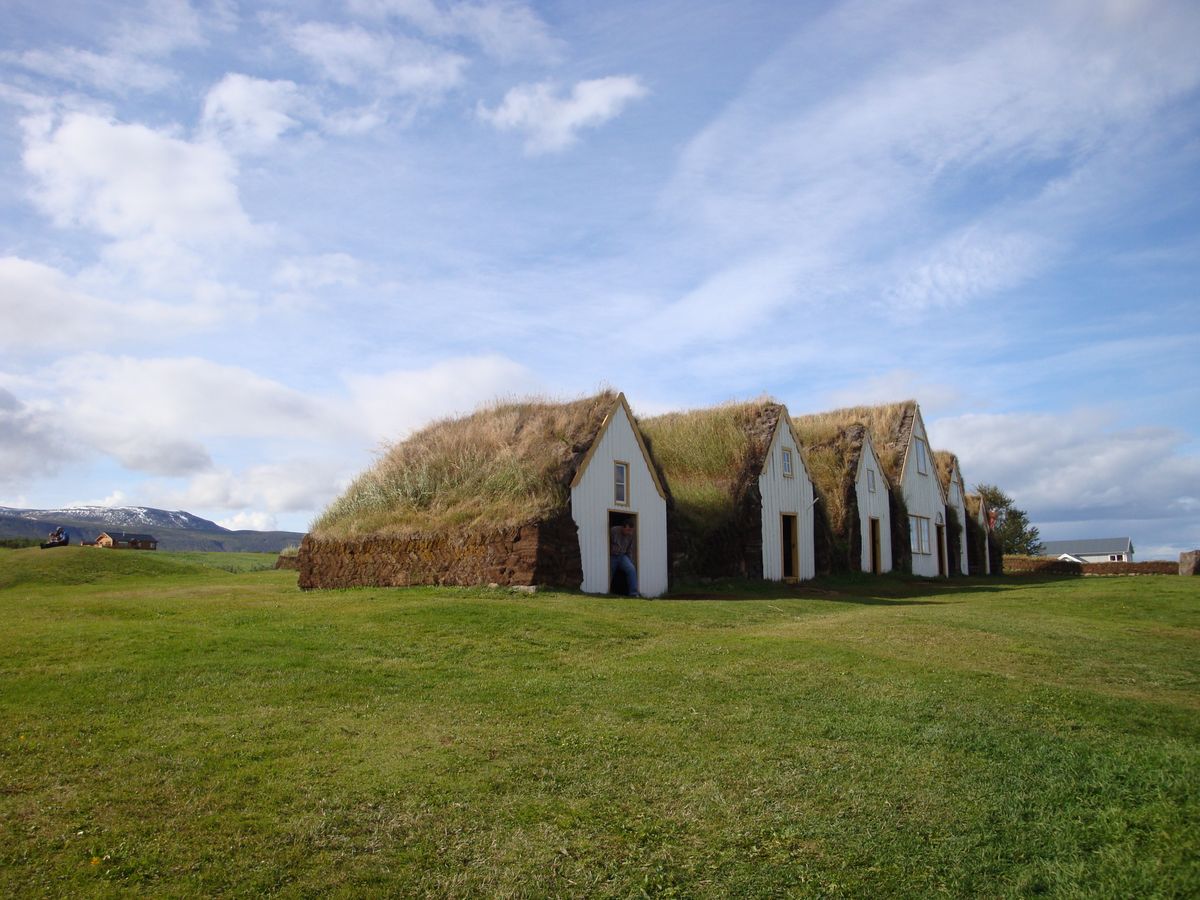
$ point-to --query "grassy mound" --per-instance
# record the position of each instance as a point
(889, 424)
(504, 465)
(86, 565)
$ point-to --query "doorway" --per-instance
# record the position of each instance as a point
(617, 583)
(941, 550)
(876, 548)
(791, 547)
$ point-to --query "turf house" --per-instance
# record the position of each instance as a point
(514, 494)
(743, 499)
(979, 550)
(918, 504)
(951, 478)
(854, 492)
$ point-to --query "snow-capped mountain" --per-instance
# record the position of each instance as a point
(123, 518)
(174, 529)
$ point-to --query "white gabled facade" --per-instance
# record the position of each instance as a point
(922, 491)
(786, 494)
(596, 492)
(871, 490)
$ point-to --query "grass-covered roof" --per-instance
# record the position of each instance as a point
(832, 455)
(503, 465)
(890, 425)
(946, 464)
(711, 456)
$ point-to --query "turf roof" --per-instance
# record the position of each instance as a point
(712, 456)
(503, 465)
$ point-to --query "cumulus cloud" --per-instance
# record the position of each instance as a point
(392, 404)
(249, 114)
(31, 442)
(551, 121)
(131, 182)
(1076, 466)
(43, 308)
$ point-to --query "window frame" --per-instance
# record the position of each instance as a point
(922, 456)
(787, 465)
(870, 480)
(619, 484)
(920, 536)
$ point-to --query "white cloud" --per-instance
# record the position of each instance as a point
(893, 386)
(32, 443)
(131, 182)
(1075, 466)
(249, 521)
(552, 122)
(377, 62)
(250, 114)
(392, 404)
(506, 29)
(42, 308)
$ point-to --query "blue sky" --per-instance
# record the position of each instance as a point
(244, 245)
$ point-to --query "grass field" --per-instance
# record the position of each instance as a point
(171, 727)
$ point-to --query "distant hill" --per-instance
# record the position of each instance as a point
(175, 530)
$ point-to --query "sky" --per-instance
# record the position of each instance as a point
(245, 245)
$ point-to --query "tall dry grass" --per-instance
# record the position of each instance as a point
(886, 423)
(706, 454)
(506, 464)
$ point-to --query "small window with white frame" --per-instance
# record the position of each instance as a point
(871, 480)
(788, 472)
(621, 483)
(918, 527)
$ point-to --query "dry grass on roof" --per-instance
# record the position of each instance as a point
(832, 465)
(946, 462)
(890, 425)
(506, 464)
(708, 455)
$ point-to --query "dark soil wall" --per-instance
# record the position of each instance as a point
(545, 553)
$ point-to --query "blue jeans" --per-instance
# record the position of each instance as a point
(625, 564)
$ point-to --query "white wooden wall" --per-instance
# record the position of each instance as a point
(592, 500)
(923, 496)
(956, 500)
(873, 506)
(786, 495)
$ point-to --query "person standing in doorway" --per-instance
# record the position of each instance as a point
(620, 554)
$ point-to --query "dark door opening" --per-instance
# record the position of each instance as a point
(941, 550)
(876, 548)
(791, 562)
(618, 583)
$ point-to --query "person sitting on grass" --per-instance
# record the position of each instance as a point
(621, 539)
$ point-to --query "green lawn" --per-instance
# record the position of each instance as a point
(170, 727)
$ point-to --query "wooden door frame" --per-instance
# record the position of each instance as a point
(875, 542)
(789, 552)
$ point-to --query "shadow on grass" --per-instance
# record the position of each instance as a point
(867, 590)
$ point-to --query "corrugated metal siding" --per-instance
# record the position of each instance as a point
(923, 496)
(873, 506)
(786, 495)
(592, 500)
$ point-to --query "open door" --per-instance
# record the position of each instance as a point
(617, 581)
(941, 550)
(791, 547)
(876, 548)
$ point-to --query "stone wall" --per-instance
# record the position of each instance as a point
(1044, 565)
(1189, 562)
(537, 553)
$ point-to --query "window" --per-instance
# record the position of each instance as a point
(621, 483)
(918, 528)
(871, 480)
(1117, 557)
(787, 462)
(922, 456)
